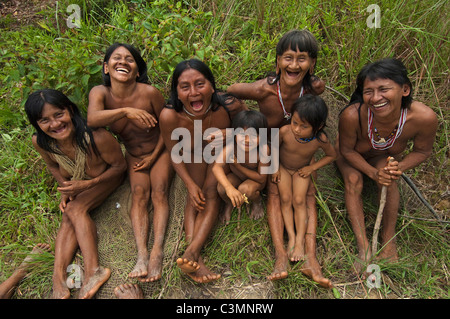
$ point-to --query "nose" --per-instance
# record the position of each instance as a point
(376, 97)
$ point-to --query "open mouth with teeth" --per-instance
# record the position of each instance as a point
(380, 105)
(122, 70)
(197, 106)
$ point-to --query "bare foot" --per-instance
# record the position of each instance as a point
(298, 253)
(187, 266)
(128, 291)
(140, 269)
(312, 269)
(90, 288)
(9, 285)
(60, 290)
(154, 267)
(225, 216)
(389, 252)
(257, 209)
(279, 271)
(203, 274)
(361, 263)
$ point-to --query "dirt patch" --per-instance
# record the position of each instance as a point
(17, 13)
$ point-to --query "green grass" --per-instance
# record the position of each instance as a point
(237, 39)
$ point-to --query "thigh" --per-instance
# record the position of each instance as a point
(139, 180)
(161, 173)
(300, 187)
(285, 185)
(250, 187)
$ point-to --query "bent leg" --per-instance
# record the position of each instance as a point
(353, 180)
(253, 191)
(161, 176)
(77, 211)
(140, 192)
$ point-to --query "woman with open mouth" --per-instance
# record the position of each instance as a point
(195, 103)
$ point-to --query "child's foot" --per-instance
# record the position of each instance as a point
(298, 253)
(257, 209)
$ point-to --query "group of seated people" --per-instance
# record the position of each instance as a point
(241, 153)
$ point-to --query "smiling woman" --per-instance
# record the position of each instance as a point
(379, 121)
(88, 165)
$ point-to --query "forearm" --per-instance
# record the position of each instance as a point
(251, 174)
(104, 118)
(357, 161)
(413, 159)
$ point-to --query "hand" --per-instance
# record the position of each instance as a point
(305, 171)
(63, 203)
(235, 196)
(145, 163)
(392, 169)
(276, 178)
(142, 116)
(72, 188)
(196, 196)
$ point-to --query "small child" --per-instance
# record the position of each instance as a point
(299, 141)
(239, 172)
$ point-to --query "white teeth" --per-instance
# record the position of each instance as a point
(122, 70)
(380, 105)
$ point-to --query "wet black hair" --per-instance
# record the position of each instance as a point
(314, 110)
(216, 99)
(33, 108)
(388, 68)
(142, 66)
(296, 40)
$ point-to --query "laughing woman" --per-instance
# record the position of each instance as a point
(378, 123)
(194, 98)
(88, 166)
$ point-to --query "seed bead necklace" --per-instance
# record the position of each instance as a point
(287, 115)
(385, 143)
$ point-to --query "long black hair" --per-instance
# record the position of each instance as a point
(216, 99)
(33, 108)
(296, 40)
(388, 68)
(142, 66)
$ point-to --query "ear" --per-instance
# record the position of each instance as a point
(311, 68)
(406, 90)
(105, 68)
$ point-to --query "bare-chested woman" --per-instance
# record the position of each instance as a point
(295, 61)
(378, 122)
(88, 166)
(194, 97)
(131, 107)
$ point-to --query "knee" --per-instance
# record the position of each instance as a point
(74, 210)
(299, 201)
(139, 192)
(354, 184)
(286, 199)
(159, 196)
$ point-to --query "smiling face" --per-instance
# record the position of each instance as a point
(56, 122)
(384, 96)
(294, 65)
(121, 66)
(194, 91)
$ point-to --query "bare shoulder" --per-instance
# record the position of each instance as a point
(168, 117)
(99, 90)
(350, 113)
(102, 137)
(422, 113)
(251, 91)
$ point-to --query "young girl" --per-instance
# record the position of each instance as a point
(88, 166)
(299, 141)
(239, 173)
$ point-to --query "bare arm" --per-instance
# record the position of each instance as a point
(99, 116)
(348, 125)
(330, 156)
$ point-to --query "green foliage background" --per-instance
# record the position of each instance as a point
(237, 40)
